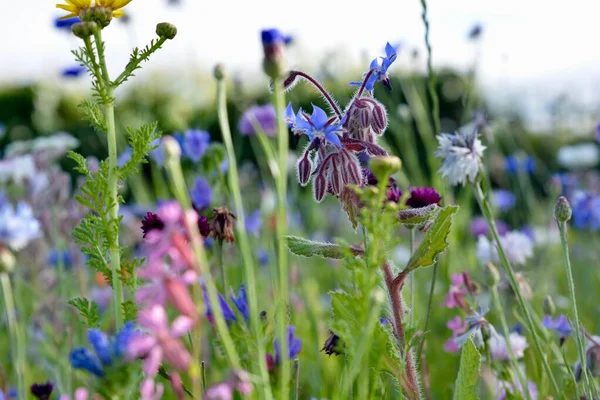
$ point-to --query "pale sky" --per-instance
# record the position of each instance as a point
(531, 50)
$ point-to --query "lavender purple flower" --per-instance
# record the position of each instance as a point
(264, 116)
(195, 144)
(201, 194)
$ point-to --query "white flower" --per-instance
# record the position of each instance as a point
(461, 153)
(17, 226)
(17, 169)
(579, 156)
(499, 349)
(517, 246)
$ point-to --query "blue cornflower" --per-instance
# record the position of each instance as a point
(294, 345)
(66, 24)
(73, 72)
(270, 37)
(201, 193)
(254, 223)
(195, 143)
(586, 211)
(124, 157)
(18, 226)
(379, 70)
(513, 164)
(106, 350)
(504, 199)
(317, 126)
(263, 256)
(241, 301)
(57, 256)
(560, 325)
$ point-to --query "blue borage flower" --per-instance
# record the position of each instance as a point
(107, 351)
(240, 301)
(294, 345)
(378, 71)
(559, 324)
(317, 126)
(194, 144)
(57, 256)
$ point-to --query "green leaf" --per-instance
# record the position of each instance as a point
(129, 310)
(412, 217)
(468, 373)
(88, 311)
(309, 248)
(94, 115)
(435, 241)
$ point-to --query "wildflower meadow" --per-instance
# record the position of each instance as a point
(383, 233)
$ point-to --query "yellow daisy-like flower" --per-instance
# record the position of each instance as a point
(74, 7)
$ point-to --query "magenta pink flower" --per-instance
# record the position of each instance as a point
(80, 394)
(458, 327)
(456, 294)
(149, 390)
(239, 381)
(161, 342)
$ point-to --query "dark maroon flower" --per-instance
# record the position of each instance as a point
(42, 391)
(332, 345)
(394, 194)
(423, 197)
(150, 222)
(204, 226)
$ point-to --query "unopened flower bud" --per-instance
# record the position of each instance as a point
(7, 260)
(171, 148)
(491, 275)
(84, 29)
(486, 332)
(222, 224)
(273, 44)
(304, 169)
(100, 15)
(562, 210)
(166, 30)
(384, 166)
(549, 307)
(219, 71)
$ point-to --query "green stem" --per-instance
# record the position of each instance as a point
(435, 103)
(488, 214)
(113, 195)
(296, 379)
(282, 252)
(242, 236)
(16, 335)
(412, 279)
(132, 66)
(429, 306)
(219, 251)
(511, 354)
(562, 227)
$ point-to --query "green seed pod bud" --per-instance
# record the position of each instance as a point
(219, 71)
(391, 206)
(491, 275)
(384, 166)
(84, 29)
(166, 30)
(486, 332)
(171, 149)
(549, 307)
(100, 15)
(562, 210)
(7, 260)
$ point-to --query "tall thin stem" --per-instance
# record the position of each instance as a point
(112, 196)
(562, 227)
(487, 212)
(435, 102)
(16, 335)
(412, 278)
(249, 269)
(281, 228)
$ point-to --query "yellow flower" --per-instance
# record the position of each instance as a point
(74, 7)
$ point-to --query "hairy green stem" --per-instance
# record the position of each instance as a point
(242, 236)
(282, 252)
(112, 195)
(562, 227)
(16, 336)
(488, 214)
(505, 331)
(429, 306)
(412, 279)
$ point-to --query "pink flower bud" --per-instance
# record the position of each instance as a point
(319, 187)
(304, 169)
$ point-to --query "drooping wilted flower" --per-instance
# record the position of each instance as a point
(461, 153)
(222, 224)
(263, 116)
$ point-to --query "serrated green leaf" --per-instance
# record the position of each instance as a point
(309, 248)
(88, 311)
(412, 217)
(129, 309)
(435, 241)
(468, 373)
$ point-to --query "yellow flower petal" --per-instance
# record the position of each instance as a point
(118, 13)
(120, 3)
(66, 7)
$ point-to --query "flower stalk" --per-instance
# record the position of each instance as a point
(15, 332)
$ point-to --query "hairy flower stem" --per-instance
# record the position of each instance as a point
(394, 285)
(243, 241)
(113, 195)
(562, 227)
(412, 278)
(486, 209)
(15, 332)
(321, 90)
(281, 228)
(511, 354)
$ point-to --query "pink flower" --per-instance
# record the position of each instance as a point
(458, 327)
(456, 294)
(80, 394)
(160, 342)
(238, 381)
(451, 346)
(149, 390)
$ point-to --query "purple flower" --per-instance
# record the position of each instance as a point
(598, 132)
(423, 197)
(475, 32)
(73, 72)
(264, 116)
(504, 199)
(513, 164)
(254, 223)
(195, 144)
(560, 325)
(201, 193)
(158, 154)
(586, 211)
(56, 256)
(379, 69)
(42, 391)
(263, 256)
(456, 294)
(479, 226)
(151, 222)
(241, 303)
(294, 345)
